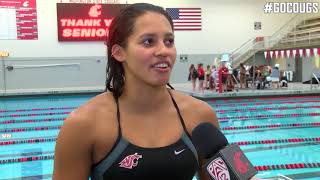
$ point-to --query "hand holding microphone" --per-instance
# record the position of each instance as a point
(226, 162)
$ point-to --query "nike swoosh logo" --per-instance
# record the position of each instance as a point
(178, 152)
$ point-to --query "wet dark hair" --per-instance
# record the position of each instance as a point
(191, 67)
(120, 29)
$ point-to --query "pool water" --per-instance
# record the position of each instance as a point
(275, 133)
(282, 133)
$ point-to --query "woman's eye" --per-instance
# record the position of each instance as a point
(148, 42)
(169, 42)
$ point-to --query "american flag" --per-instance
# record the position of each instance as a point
(185, 19)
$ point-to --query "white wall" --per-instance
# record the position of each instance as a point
(55, 74)
(308, 67)
(1, 77)
(226, 25)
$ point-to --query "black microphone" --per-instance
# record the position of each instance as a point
(226, 162)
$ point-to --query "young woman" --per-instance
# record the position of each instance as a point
(230, 83)
(201, 77)
(213, 78)
(139, 129)
(208, 73)
(242, 76)
(193, 75)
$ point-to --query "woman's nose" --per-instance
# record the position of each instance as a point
(162, 49)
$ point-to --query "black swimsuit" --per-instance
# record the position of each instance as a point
(126, 161)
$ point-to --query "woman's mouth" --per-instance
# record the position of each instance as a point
(162, 67)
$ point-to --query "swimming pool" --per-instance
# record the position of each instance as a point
(280, 136)
(275, 133)
(29, 127)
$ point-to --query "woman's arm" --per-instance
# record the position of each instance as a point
(73, 149)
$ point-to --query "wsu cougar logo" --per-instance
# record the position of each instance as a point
(218, 169)
(130, 161)
(25, 4)
(95, 11)
(241, 167)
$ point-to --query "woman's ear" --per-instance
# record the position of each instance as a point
(118, 53)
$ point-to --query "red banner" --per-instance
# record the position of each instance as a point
(22, 24)
(85, 22)
(18, 3)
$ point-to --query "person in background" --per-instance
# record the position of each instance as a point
(229, 83)
(224, 74)
(235, 73)
(131, 130)
(193, 75)
(242, 76)
(260, 78)
(201, 77)
(275, 76)
(213, 78)
(283, 79)
(266, 71)
(207, 78)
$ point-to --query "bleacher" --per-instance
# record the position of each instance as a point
(305, 34)
(302, 31)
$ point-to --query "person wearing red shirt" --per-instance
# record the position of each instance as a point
(201, 77)
(223, 73)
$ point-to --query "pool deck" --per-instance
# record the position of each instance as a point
(293, 89)
(51, 91)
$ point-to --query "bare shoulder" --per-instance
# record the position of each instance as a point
(195, 111)
(87, 115)
(83, 121)
(77, 138)
(102, 103)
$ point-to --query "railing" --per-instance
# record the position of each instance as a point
(236, 54)
(284, 30)
(251, 46)
(242, 46)
(11, 67)
(290, 26)
(237, 82)
(284, 177)
(313, 75)
(279, 177)
(247, 49)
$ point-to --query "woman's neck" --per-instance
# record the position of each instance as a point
(141, 97)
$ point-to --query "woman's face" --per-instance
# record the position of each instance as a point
(150, 53)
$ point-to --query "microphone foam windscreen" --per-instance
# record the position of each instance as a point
(208, 140)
